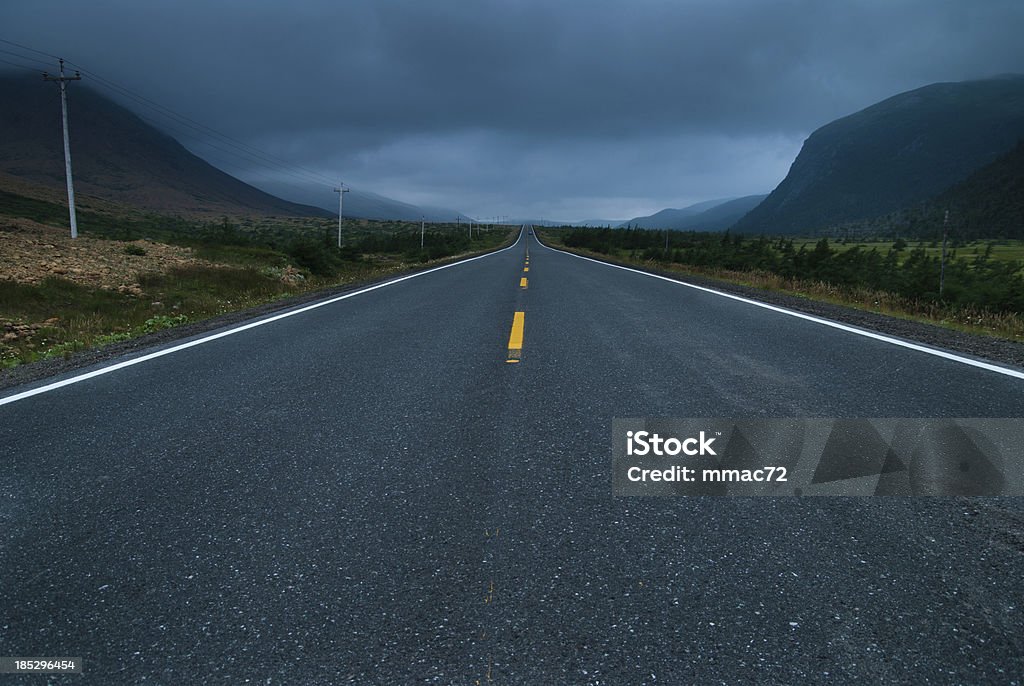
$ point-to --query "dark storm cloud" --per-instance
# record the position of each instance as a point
(534, 108)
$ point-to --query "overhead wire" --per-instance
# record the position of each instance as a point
(222, 161)
(176, 122)
(244, 148)
(25, 47)
(26, 58)
(34, 70)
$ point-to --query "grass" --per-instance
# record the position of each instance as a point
(1001, 250)
(976, 320)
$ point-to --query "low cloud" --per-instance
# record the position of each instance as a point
(527, 108)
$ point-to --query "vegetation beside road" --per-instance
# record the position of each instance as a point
(69, 295)
(984, 279)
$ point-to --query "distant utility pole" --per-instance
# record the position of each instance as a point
(341, 191)
(423, 227)
(942, 267)
(62, 81)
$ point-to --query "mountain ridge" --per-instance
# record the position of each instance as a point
(900, 151)
(711, 215)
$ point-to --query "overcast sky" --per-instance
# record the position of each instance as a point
(558, 109)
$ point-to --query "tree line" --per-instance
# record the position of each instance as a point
(911, 272)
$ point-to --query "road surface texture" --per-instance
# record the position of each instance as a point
(371, 492)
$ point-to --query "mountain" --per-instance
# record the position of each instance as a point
(365, 204)
(119, 157)
(893, 154)
(719, 215)
(990, 202)
(671, 218)
(595, 223)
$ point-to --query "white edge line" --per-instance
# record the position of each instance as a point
(811, 318)
(251, 325)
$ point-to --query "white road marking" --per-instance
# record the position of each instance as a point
(251, 325)
(1006, 371)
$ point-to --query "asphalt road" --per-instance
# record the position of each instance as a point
(370, 492)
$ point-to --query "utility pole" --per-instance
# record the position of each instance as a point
(341, 191)
(423, 225)
(62, 81)
(942, 267)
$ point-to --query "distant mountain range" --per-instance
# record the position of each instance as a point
(365, 204)
(710, 215)
(119, 157)
(594, 223)
(901, 152)
(893, 167)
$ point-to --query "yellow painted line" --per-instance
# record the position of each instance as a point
(522, 282)
(526, 269)
(515, 339)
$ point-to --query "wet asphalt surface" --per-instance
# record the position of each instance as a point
(368, 492)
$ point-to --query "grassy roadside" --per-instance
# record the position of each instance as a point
(968, 319)
(55, 315)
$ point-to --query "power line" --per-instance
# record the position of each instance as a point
(192, 123)
(27, 58)
(25, 47)
(248, 157)
(186, 136)
(242, 150)
(34, 70)
(253, 153)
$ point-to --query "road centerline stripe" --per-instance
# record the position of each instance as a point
(515, 337)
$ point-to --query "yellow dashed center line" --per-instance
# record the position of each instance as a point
(515, 339)
(522, 282)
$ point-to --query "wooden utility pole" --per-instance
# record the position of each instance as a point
(62, 82)
(341, 191)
